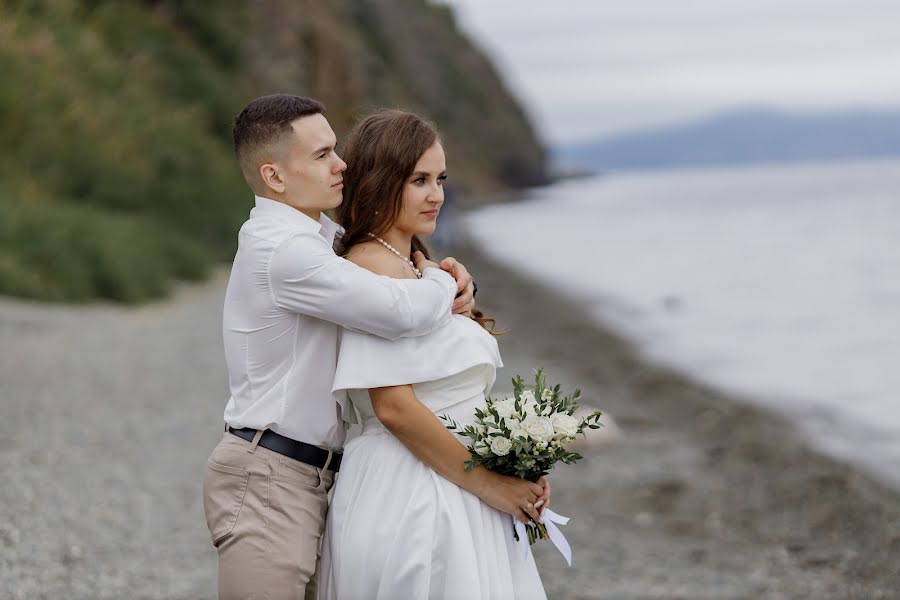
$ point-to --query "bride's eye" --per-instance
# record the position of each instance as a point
(442, 179)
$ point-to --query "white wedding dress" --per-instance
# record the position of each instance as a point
(396, 529)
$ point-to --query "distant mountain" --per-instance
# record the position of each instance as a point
(748, 136)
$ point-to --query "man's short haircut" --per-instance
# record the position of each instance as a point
(267, 120)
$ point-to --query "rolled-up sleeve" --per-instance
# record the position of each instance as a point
(307, 277)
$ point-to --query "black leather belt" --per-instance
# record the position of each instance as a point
(306, 453)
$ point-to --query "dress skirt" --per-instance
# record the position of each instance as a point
(397, 530)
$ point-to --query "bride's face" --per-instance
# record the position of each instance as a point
(423, 193)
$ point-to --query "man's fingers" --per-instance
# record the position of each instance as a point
(451, 265)
(465, 289)
(421, 262)
(463, 309)
(463, 282)
(458, 271)
(448, 263)
(463, 303)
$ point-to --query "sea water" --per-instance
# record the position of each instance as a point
(780, 283)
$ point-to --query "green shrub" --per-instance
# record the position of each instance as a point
(122, 116)
(64, 253)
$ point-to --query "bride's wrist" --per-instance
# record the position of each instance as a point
(481, 480)
(477, 480)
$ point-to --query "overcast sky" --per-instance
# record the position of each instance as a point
(587, 69)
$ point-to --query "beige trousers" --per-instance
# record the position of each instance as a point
(266, 515)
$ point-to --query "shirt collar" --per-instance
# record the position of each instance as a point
(288, 214)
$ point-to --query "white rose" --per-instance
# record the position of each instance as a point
(505, 407)
(565, 425)
(538, 428)
(501, 445)
(515, 428)
(482, 448)
(529, 403)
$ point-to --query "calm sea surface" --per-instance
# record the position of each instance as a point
(780, 283)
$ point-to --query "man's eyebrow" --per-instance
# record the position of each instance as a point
(323, 149)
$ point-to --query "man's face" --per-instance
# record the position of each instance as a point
(308, 167)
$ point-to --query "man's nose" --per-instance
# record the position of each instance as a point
(341, 166)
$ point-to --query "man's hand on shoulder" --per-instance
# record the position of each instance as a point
(423, 263)
(465, 290)
(465, 296)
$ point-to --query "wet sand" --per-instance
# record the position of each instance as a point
(109, 414)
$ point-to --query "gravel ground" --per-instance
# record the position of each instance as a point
(109, 414)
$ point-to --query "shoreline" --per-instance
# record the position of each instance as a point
(735, 500)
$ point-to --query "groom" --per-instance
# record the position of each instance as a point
(266, 483)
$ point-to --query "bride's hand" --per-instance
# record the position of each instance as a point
(514, 496)
(544, 483)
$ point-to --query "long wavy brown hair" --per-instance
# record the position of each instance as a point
(381, 154)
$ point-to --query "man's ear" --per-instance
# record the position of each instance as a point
(271, 177)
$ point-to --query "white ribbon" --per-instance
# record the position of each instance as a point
(549, 519)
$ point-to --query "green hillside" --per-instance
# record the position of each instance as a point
(117, 175)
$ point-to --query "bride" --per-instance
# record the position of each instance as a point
(406, 519)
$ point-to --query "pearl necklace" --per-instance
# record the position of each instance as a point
(397, 252)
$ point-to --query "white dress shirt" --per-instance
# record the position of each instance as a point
(288, 296)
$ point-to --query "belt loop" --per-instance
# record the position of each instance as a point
(256, 440)
(227, 427)
(328, 460)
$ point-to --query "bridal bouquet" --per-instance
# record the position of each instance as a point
(525, 434)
